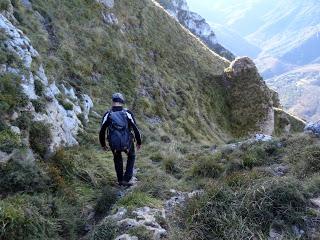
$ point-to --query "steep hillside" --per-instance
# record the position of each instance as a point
(164, 71)
(123, 49)
(60, 61)
(196, 24)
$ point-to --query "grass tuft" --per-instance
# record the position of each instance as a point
(40, 138)
(138, 199)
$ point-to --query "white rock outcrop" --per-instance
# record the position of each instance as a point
(5, 157)
(17, 42)
(141, 217)
(148, 218)
(64, 124)
(107, 3)
(87, 104)
(180, 198)
(126, 237)
(152, 219)
(110, 18)
(179, 10)
(193, 21)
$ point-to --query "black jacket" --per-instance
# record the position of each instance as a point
(106, 121)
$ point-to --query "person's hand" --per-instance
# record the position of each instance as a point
(138, 147)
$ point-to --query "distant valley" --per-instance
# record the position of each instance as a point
(282, 36)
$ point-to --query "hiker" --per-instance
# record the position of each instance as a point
(120, 122)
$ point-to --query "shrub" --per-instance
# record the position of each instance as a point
(11, 94)
(22, 175)
(23, 221)
(106, 200)
(62, 101)
(245, 213)
(24, 121)
(40, 137)
(39, 105)
(169, 164)
(9, 141)
(106, 230)
(255, 156)
(38, 87)
(207, 166)
(64, 162)
(308, 160)
(156, 157)
(4, 5)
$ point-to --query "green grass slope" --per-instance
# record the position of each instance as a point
(252, 190)
(163, 70)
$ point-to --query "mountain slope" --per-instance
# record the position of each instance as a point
(60, 63)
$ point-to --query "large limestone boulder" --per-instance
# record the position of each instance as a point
(250, 100)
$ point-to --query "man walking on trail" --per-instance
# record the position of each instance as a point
(120, 122)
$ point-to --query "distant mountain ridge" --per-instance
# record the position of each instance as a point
(196, 24)
(285, 30)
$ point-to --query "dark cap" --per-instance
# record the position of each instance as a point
(118, 97)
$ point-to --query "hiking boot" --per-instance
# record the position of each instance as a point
(126, 184)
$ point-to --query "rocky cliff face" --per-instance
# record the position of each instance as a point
(62, 117)
(196, 24)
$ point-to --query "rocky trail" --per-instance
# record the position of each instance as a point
(154, 220)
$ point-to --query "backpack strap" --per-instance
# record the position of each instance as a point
(105, 117)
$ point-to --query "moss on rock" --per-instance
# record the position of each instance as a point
(249, 98)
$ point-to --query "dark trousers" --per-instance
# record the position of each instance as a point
(118, 164)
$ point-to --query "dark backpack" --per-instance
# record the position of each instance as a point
(119, 136)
